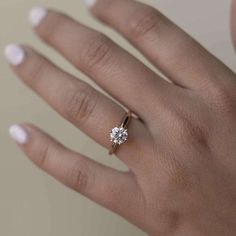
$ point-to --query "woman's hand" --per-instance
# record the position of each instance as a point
(181, 152)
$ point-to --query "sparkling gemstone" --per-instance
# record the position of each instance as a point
(119, 135)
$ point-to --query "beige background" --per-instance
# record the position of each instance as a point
(32, 203)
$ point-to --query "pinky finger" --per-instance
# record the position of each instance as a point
(113, 189)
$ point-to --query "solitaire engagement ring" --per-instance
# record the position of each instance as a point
(119, 134)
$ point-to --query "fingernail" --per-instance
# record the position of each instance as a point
(19, 134)
(90, 3)
(36, 15)
(15, 54)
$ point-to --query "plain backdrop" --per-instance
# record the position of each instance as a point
(32, 203)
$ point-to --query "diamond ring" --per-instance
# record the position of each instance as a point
(119, 135)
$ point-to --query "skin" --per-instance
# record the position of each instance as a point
(181, 149)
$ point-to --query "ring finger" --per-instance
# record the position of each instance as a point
(86, 108)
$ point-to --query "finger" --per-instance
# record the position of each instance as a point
(116, 71)
(78, 102)
(111, 188)
(173, 51)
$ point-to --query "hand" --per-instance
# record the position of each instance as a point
(181, 151)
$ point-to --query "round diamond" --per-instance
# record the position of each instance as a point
(119, 135)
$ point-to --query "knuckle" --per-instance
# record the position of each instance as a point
(178, 177)
(80, 104)
(43, 154)
(52, 27)
(78, 179)
(182, 126)
(97, 51)
(178, 122)
(35, 71)
(141, 24)
(168, 219)
(222, 98)
(186, 129)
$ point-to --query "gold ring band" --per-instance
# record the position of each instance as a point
(119, 134)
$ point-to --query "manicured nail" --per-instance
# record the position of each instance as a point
(15, 54)
(36, 15)
(90, 3)
(18, 134)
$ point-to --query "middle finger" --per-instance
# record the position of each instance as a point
(114, 69)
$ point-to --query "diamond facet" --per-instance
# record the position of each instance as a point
(119, 135)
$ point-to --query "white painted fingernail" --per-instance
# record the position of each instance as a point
(18, 134)
(90, 3)
(15, 54)
(36, 15)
